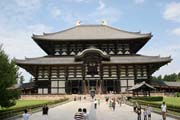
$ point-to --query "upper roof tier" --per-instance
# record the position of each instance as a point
(92, 32)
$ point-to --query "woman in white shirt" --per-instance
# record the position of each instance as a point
(26, 115)
(86, 114)
(164, 110)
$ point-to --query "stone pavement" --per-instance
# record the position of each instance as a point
(66, 112)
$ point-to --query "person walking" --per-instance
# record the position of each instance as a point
(114, 104)
(145, 114)
(79, 115)
(164, 110)
(95, 104)
(99, 101)
(86, 114)
(139, 113)
(45, 112)
(149, 110)
(26, 115)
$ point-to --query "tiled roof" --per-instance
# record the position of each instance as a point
(141, 85)
(113, 59)
(165, 83)
(91, 32)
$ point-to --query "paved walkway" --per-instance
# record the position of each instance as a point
(66, 112)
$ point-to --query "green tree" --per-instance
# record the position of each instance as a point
(8, 78)
(178, 77)
(31, 79)
(21, 79)
(159, 77)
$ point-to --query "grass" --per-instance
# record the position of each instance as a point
(171, 101)
(24, 103)
(174, 101)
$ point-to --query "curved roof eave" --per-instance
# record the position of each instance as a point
(91, 32)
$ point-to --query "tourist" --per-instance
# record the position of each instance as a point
(113, 104)
(139, 112)
(120, 101)
(149, 110)
(135, 107)
(107, 99)
(95, 104)
(110, 104)
(74, 98)
(26, 115)
(45, 112)
(99, 102)
(86, 115)
(145, 114)
(164, 110)
(79, 115)
(84, 97)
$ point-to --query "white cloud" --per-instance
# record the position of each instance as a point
(28, 4)
(78, 0)
(18, 12)
(19, 44)
(176, 31)
(56, 12)
(172, 50)
(172, 12)
(139, 1)
(102, 12)
(101, 5)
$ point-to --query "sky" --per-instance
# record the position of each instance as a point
(19, 19)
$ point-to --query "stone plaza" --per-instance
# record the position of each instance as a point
(103, 112)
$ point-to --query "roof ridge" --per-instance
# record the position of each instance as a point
(129, 31)
(92, 25)
(61, 31)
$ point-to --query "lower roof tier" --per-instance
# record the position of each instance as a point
(134, 59)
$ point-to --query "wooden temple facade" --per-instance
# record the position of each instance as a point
(88, 57)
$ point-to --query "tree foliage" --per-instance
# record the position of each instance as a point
(8, 78)
(171, 77)
(21, 79)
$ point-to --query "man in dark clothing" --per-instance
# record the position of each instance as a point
(45, 112)
(139, 112)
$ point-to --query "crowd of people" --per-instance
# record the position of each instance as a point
(26, 115)
(147, 111)
(82, 114)
(112, 102)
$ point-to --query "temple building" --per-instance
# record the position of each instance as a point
(87, 57)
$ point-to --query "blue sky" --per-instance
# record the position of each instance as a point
(19, 19)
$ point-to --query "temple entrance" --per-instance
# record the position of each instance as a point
(109, 85)
(76, 87)
(75, 90)
(92, 85)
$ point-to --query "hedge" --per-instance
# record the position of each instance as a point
(157, 105)
(15, 111)
(148, 98)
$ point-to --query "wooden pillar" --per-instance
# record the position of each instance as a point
(84, 85)
(148, 75)
(118, 79)
(79, 88)
(66, 76)
(97, 89)
(101, 79)
(126, 67)
(49, 77)
(135, 74)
